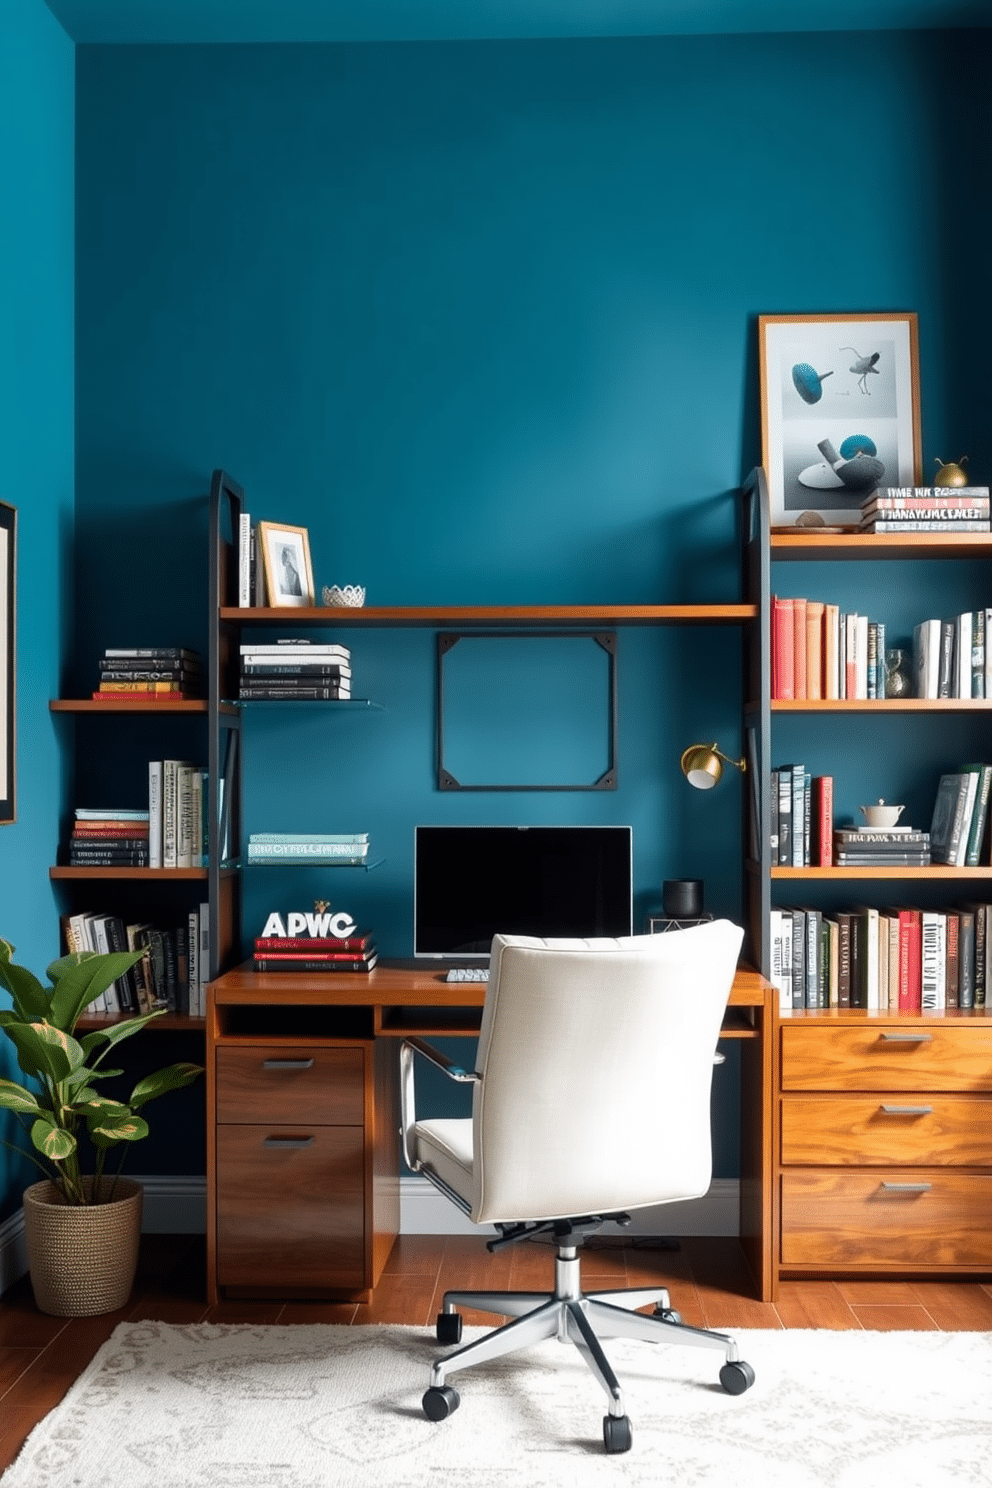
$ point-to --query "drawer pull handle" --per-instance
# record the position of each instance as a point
(906, 1038)
(287, 1064)
(907, 1110)
(287, 1142)
(907, 1187)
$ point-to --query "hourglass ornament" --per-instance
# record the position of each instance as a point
(898, 677)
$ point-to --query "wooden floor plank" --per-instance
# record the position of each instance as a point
(957, 1306)
(883, 1319)
(814, 1304)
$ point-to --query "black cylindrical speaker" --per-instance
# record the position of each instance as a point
(682, 898)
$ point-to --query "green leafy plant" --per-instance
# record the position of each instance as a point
(64, 1100)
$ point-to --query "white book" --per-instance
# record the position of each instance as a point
(831, 653)
(322, 651)
(969, 810)
(155, 813)
(775, 949)
(82, 929)
(170, 812)
(961, 681)
(871, 958)
(988, 653)
(184, 813)
(926, 658)
(861, 643)
(932, 961)
(244, 561)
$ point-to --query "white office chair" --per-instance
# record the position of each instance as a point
(591, 1097)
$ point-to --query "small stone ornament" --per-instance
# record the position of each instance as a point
(345, 596)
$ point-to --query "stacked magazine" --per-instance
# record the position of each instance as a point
(315, 849)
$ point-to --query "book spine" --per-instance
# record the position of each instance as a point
(799, 649)
(823, 794)
(785, 815)
(783, 648)
(944, 495)
(831, 680)
(169, 837)
(976, 833)
(929, 962)
(244, 560)
(963, 525)
(798, 816)
(155, 813)
(952, 958)
(267, 963)
(978, 654)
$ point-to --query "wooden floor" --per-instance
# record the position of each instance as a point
(709, 1284)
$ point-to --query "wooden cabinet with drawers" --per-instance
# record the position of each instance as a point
(302, 1166)
(883, 1144)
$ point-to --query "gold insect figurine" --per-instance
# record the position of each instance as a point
(952, 475)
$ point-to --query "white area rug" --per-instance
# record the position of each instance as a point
(305, 1407)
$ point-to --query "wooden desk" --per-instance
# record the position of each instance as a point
(302, 1090)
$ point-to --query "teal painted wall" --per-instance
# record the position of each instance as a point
(36, 458)
(482, 317)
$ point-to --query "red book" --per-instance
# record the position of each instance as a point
(822, 787)
(910, 985)
(799, 648)
(350, 958)
(952, 971)
(313, 943)
(783, 648)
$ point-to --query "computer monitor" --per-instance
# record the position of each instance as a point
(472, 882)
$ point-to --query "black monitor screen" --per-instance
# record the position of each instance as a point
(471, 883)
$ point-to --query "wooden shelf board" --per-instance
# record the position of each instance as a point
(160, 875)
(881, 705)
(934, 874)
(805, 544)
(497, 615)
(128, 705)
(169, 1023)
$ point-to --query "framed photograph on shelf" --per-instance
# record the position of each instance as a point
(8, 629)
(840, 413)
(286, 563)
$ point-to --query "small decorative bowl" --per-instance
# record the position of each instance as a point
(351, 596)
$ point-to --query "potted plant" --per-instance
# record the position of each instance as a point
(82, 1228)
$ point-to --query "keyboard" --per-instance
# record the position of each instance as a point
(467, 974)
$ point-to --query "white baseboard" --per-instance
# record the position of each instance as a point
(178, 1206)
(425, 1211)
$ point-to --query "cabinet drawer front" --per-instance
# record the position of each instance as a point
(858, 1131)
(893, 1056)
(290, 1206)
(922, 1220)
(290, 1083)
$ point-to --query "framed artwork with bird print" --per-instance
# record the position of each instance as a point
(840, 413)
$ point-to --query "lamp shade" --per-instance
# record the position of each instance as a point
(702, 765)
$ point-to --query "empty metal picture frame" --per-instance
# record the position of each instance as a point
(840, 412)
(526, 711)
(8, 638)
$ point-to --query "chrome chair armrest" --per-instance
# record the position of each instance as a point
(408, 1105)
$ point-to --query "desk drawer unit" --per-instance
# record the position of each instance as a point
(885, 1146)
(295, 1139)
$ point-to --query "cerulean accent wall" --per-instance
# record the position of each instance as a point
(36, 459)
(482, 317)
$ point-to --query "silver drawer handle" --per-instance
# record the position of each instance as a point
(907, 1187)
(287, 1064)
(907, 1110)
(287, 1142)
(906, 1038)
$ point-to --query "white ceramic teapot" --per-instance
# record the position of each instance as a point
(881, 815)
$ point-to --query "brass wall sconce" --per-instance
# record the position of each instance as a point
(702, 765)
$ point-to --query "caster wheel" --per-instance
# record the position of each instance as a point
(617, 1435)
(736, 1378)
(667, 1315)
(440, 1401)
(449, 1327)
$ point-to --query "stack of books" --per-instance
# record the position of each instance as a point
(960, 817)
(881, 847)
(308, 953)
(172, 972)
(926, 509)
(294, 670)
(109, 837)
(166, 673)
(316, 849)
(821, 651)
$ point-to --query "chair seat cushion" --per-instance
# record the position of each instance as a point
(445, 1146)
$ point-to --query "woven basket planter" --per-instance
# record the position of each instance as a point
(82, 1257)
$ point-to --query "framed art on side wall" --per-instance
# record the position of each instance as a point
(286, 562)
(840, 412)
(8, 617)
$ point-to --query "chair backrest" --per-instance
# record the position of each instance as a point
(596, 1058)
